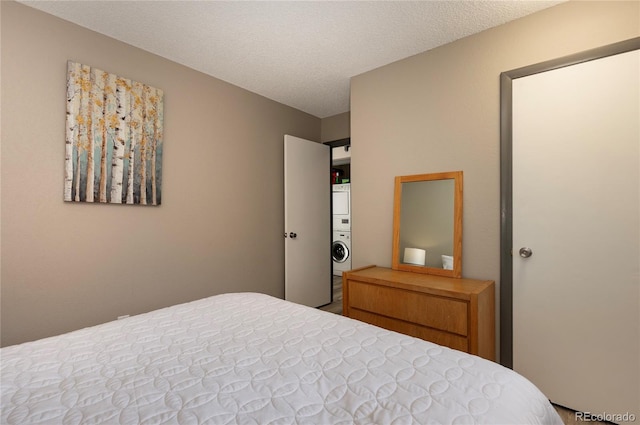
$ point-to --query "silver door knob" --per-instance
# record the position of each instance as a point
(525, 252)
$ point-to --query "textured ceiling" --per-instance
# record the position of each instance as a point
(300, 53)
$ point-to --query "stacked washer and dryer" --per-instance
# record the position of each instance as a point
(341, 246)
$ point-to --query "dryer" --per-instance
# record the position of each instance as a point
(341, 206)
(341, 251)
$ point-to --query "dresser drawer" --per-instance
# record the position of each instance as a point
(457, 313)
(443, 338)
(435, 312)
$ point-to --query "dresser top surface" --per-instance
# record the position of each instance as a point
(419, 281)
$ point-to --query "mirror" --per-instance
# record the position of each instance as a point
(427, 224)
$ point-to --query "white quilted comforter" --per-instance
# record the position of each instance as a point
(254, 359)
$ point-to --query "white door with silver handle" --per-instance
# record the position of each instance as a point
(576, 156)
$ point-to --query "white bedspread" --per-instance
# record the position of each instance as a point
(254, 359)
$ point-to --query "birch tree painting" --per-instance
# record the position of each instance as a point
(114, 138)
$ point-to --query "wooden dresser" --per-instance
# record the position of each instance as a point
(458, 313)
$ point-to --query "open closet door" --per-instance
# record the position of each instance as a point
(307, 222)
(576, 233)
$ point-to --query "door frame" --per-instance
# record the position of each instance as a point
(339, 142)
(335, 144)
(506, 176)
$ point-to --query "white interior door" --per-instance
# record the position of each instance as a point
(576, 205)
(307, 222)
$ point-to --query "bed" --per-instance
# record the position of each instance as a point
(247, 358)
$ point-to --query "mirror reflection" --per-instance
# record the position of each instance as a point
(427, 224)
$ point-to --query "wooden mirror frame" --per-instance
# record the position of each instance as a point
(457, 224)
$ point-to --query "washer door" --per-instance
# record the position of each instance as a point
(339, 252)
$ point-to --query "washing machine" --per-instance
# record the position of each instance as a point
(341, 251)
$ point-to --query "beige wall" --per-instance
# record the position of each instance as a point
(439, 111)
(219, 227)
(335, 127)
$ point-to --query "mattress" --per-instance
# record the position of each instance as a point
(253, 359)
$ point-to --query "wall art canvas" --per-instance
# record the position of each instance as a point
(114, 138)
